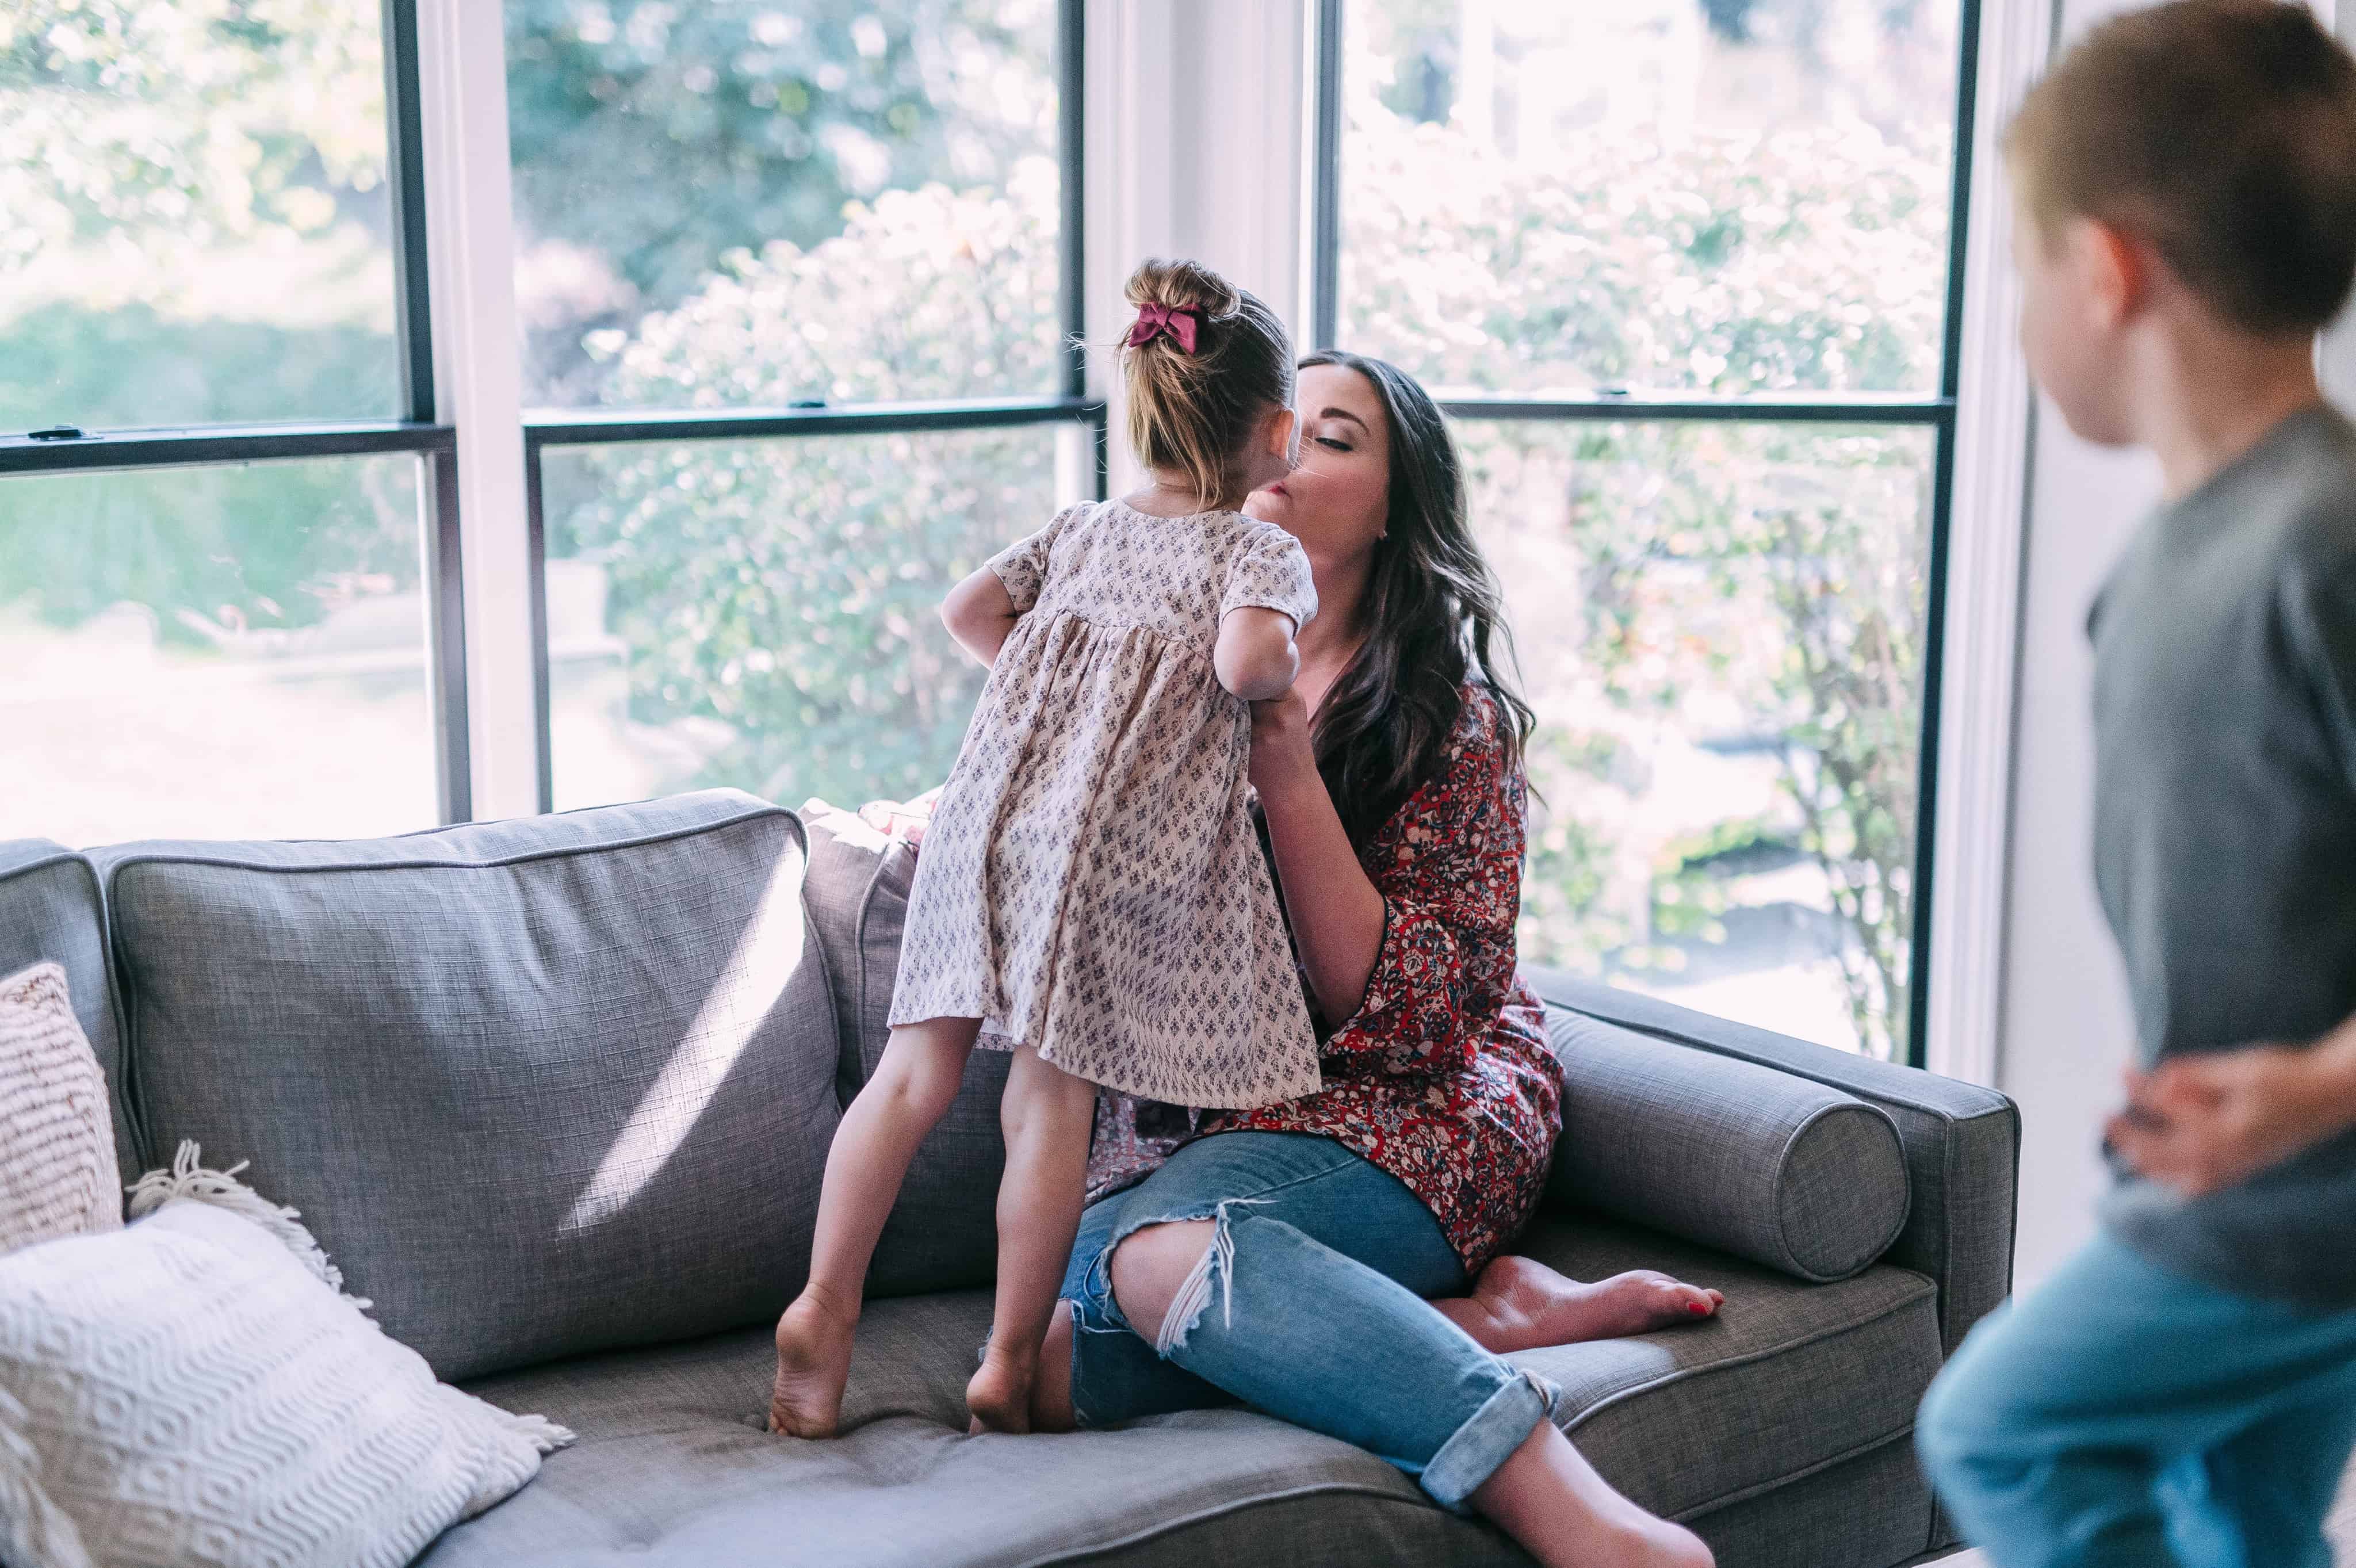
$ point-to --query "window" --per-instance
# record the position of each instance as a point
(218, 652)
(798, 284)
(1680, 272)
(211, 255)
(764, 614)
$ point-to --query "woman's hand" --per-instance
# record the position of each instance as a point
(2198, 1123)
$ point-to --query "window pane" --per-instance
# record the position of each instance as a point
(1721, 628)
(1718, 196)
(845, 201)
(194, 222)
(763, 614)
(215, 652)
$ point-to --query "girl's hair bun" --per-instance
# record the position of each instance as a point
(1184, 285)
(1191, 413)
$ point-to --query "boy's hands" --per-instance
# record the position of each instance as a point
(2198, 1123)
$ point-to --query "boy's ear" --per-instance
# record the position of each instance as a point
(2117, 265)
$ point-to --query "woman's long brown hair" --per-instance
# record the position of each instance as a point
(1434, 619)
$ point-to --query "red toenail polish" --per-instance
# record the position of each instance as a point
(1696, 1308)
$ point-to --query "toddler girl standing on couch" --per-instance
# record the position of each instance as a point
(1091, 895)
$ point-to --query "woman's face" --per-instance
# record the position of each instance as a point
(1337, 501)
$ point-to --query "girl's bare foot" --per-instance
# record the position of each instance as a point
(1519, 1304)
(1000, 1394)
(813, 1364)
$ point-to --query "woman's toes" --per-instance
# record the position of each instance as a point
(1643, 1299)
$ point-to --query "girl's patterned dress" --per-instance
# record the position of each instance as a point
(1445, 1077)
(1091, 885)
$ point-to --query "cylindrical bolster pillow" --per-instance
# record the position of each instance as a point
(1778, 1169)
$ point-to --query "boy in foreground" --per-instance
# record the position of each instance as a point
(2183, 1390)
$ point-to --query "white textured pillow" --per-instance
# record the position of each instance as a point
(57, 1135)
(194, 1390)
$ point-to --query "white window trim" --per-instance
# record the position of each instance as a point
(1985, 537)
(477, 378)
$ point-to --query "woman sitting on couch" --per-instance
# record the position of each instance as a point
(1284, 1257)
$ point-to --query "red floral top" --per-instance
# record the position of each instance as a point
(1444, 1077)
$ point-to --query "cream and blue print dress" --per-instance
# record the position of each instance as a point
(1091, 884)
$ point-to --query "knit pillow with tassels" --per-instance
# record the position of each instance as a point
(196, 1388)
(57, 1135)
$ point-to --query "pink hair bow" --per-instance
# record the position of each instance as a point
(1154, 318)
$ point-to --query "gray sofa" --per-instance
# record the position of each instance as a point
(556, 1094)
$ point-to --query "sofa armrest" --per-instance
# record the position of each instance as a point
(1962, 1142)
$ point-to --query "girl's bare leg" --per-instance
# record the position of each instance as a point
(913, 1085)
(1047, 1114)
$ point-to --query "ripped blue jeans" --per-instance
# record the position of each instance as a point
(1309, 1306)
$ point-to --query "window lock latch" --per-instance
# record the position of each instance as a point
(56, 432)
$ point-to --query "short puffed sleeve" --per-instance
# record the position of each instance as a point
(1022, 565)
(1269, 571)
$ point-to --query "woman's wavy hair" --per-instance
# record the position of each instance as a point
(1434, 615)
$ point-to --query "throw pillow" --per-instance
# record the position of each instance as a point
(56, 1133)
(194, 1389)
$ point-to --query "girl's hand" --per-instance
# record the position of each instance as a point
(1279, 740)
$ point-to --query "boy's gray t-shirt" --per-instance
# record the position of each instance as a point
(2226, 826)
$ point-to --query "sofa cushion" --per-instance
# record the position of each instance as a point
(540, 1086)
(673, 1466)
(943, 1232)
(49, 909)
(1770, 1166)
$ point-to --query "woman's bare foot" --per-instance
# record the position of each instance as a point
(813, 1364)
(1000, 1394)
(1519, 1304)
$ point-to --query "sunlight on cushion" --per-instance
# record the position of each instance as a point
(756, 975)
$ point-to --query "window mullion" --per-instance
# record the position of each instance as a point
(478, 379)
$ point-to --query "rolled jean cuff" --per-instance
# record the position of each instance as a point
(1486, 1441)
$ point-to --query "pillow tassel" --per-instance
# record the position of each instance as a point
(191, 1181)
(33, 1529)
(545, 1435)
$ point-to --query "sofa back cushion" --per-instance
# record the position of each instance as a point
(540, 1086)
(942, 1230)
(50, 911)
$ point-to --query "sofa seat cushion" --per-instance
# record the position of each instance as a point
(540, 1087)
(673, 1465)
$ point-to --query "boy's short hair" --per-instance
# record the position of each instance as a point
(2222, 130)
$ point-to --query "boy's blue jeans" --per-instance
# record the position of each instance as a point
(1311, 1310)
(2125, 1417)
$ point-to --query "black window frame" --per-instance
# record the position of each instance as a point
(417, 432)
(1068, 404)
(1935, 410)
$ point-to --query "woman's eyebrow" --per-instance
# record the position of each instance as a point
(1346, 413)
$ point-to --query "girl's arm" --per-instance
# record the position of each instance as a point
(980, 613)
(1255, 657)
(1337, 915)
